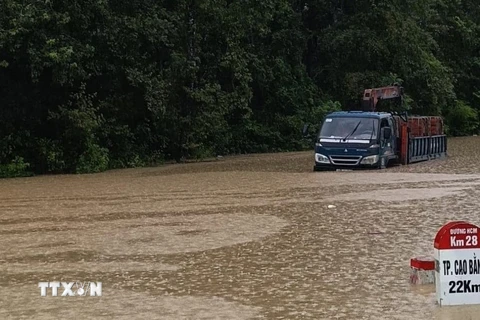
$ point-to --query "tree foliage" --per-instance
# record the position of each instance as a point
(96, 84)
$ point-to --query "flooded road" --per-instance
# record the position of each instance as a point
(247, 237)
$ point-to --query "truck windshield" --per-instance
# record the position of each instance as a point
(350, 128)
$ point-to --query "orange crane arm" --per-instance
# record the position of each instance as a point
(372, 96)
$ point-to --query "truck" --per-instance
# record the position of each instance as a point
(374, 139)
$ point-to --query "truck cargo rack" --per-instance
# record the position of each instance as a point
(422, 138)
(427, 148)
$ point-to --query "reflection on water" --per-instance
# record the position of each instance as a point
(244, 238)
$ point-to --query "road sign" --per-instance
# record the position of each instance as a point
(422, 270)
(457, 264)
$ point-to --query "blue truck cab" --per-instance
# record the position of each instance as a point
(356, 140)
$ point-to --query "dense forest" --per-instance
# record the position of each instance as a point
(87, 85)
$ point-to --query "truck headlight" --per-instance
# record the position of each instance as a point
(321, 158)
(370, 159)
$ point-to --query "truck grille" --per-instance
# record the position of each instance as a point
(345, 160)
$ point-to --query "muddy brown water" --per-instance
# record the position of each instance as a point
(247, 237)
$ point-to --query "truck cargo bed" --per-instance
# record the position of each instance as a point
(421, 138)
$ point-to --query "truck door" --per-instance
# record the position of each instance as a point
(387, 146)
(393, 139)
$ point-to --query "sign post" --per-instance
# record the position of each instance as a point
(457, 264)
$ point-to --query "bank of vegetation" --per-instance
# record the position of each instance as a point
(95, 84)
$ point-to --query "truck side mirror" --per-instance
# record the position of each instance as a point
(387, 133)
(305, 130)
